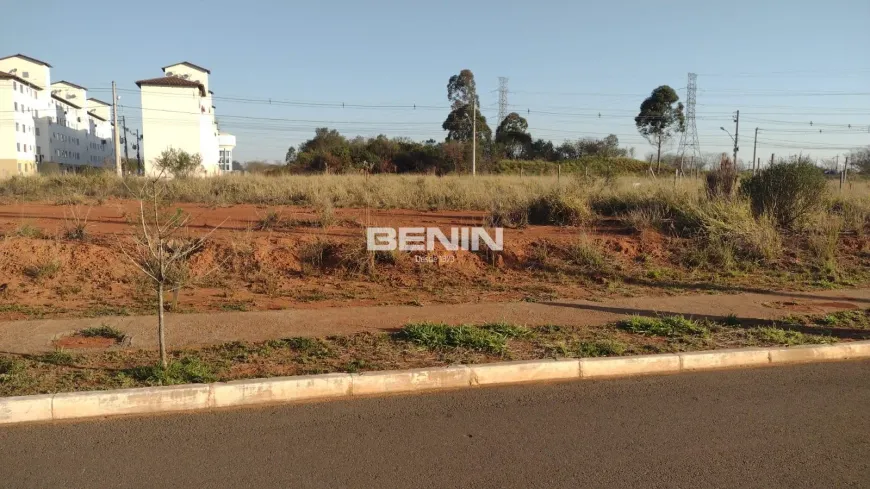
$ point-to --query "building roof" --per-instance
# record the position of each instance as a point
(28, 58)
(10, 76)
(186, 63)
(98, 101)
(172, 81)
(65, 101)
(70, 84)
(95, 116)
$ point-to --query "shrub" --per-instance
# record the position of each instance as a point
(508, 217)
(585, 255)
(178, 163)
(786, 191)
(721, 182)
(560, 209)
(319, 254)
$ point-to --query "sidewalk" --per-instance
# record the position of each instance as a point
(188, 330)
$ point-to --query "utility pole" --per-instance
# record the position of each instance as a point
(754, 146)
(473, 137)
(126, 133)
(117, 142)
(736, 132)
(138, 158)
(771, 159)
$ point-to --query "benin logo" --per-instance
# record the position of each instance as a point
(423, 239)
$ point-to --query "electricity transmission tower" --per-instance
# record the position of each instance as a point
(502, 99)
(690, 148)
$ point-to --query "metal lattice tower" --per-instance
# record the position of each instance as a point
(690, 147)
(502, 99)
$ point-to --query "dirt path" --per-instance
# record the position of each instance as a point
(189, 330)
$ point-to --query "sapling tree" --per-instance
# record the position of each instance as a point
(161, 248)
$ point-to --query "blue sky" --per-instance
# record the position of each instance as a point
(782, 63)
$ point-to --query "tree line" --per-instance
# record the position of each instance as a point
(330, 151)
(660, 119)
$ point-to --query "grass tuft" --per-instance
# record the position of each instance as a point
(188, 370)
(103, 331)
(778, 336)
(669, 326)
(57, 357)
(488, 338)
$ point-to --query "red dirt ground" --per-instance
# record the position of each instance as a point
(262, 270)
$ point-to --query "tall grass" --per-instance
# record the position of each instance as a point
(376, 191)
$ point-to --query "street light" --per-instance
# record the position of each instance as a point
(735, 144)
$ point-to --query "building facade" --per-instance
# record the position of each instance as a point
(48, 126)
(178, 112)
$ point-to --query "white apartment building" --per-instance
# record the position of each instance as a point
(48, 125)
(177, 112)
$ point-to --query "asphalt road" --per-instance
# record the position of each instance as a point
(789, 427)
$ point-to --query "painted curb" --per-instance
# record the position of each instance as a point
(525, 371)
(713, 359)
(591, 368)
(279, 389)
(145, 400)
(22, 409)
(150, 400)
(415, 380)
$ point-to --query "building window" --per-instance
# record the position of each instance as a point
(16, 106)
(37, 131)
(18, 147)
(14, 85)
(16, 127)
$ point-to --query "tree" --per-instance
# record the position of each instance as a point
(454, 151)
(290, 157)
(542, 150)
(513, 134)
(159, 251)
(462, 93)
(325, 139)
(178, 163)
(659, 119)
(860, 159)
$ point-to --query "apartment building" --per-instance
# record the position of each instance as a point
(178, 112)
(45, 125)
(22, 92)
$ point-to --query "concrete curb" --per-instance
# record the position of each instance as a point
(151, 400)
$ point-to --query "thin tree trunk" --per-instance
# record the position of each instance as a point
(161, 339)
(659, 157)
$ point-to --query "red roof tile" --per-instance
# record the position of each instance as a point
(172, 81)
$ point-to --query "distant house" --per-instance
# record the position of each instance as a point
(178, 112)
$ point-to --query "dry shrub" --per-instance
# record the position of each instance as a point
(318, 255)
(589, 258)
(823, 235)
(515, 217)
(854, 213)
(560, 209)
(721, 182)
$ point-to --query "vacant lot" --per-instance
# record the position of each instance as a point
(60, 254)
